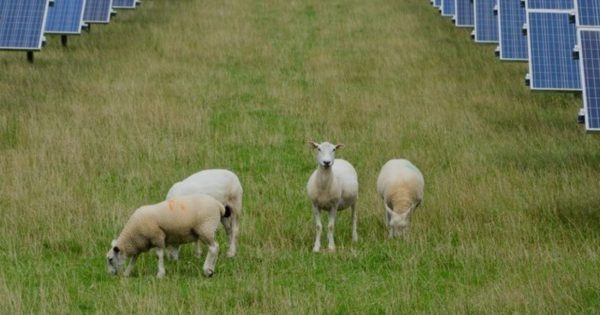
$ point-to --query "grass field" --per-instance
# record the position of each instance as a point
(88, 133)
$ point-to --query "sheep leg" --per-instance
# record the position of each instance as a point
(233, 236)
(354, 232)
(198, 248)
(330, 227)
(130, 266)
(160, 253)
(319, 227)
(211, 258)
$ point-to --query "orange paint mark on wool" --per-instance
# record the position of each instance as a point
(171, 204)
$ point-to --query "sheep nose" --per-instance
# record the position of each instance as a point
(326, 163)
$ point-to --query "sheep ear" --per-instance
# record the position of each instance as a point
(113, 243)
(313, 144)
(339, 146)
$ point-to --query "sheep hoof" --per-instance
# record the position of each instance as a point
(160, 275)
(208, 272)
(331, 249)
(230, 253)
(316, 249)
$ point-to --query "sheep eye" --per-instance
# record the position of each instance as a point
(333, 149)
(319, 149)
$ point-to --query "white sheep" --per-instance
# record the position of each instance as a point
(332, 186)
(222, 185)
(193, 218)
(400, 184)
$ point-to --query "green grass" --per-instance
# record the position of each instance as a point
(90, 132)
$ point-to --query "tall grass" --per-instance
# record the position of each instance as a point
(88, 133)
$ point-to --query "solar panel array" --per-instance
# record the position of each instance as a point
(544, 33)
(97, 11)
(512, 41)
(65, 17)
(589, 45)
(486, 22)
(22, 24)
(551, 38)
(464, 13)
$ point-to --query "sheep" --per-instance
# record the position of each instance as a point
(332, 186)
(400, 184)
(172, 222)
(222, 185)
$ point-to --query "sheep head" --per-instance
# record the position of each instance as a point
(114, 258)
(325, 153)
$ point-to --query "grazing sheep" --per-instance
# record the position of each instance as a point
(222, 185)
(400, 184)
(172, 222)
(332, 186)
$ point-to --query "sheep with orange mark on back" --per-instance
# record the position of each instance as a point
(191, 218)
(400, 184)
(222, 185)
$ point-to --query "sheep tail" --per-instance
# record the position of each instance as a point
(227, 213)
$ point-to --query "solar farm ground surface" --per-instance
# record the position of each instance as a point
(88, 133)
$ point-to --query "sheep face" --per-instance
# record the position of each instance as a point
(398, 224)
(114, 258)
(325, 153)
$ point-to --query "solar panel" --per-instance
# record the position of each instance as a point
(464, 13)
(437, 3)
(511, 17)
(97, 11)
(124, 4)
(448, 7)
(551, 38)
(65, 17)
(486, 22)
(22, 24)
(589, 60)
(588, 12)
(550, 4)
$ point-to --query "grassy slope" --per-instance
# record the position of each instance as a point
(88, 133)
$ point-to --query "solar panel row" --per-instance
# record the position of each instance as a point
(589, 45)
(464, 13)
(447, 7)
(550, 4)
(588, 12)
(486, 21)
(124, 4)
(511, 17)
(65, 17)
(551, 38)
(22, 24)
(97, 11)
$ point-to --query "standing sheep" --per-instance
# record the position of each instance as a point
(222, 185)
(171, 222)
(400, 184)
(332, 186)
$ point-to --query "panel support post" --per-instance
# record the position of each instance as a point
(63, 40)
(30, 56)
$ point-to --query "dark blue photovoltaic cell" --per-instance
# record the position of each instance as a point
(448, 7)
(486, 22)
(465, 13)
(551, 38)
(590, 67)
(97, 11)
(550, 4)
(65, 17)
(588, 12)
(437, 3)
(511, 17)
(22, 24)
(124, 3)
